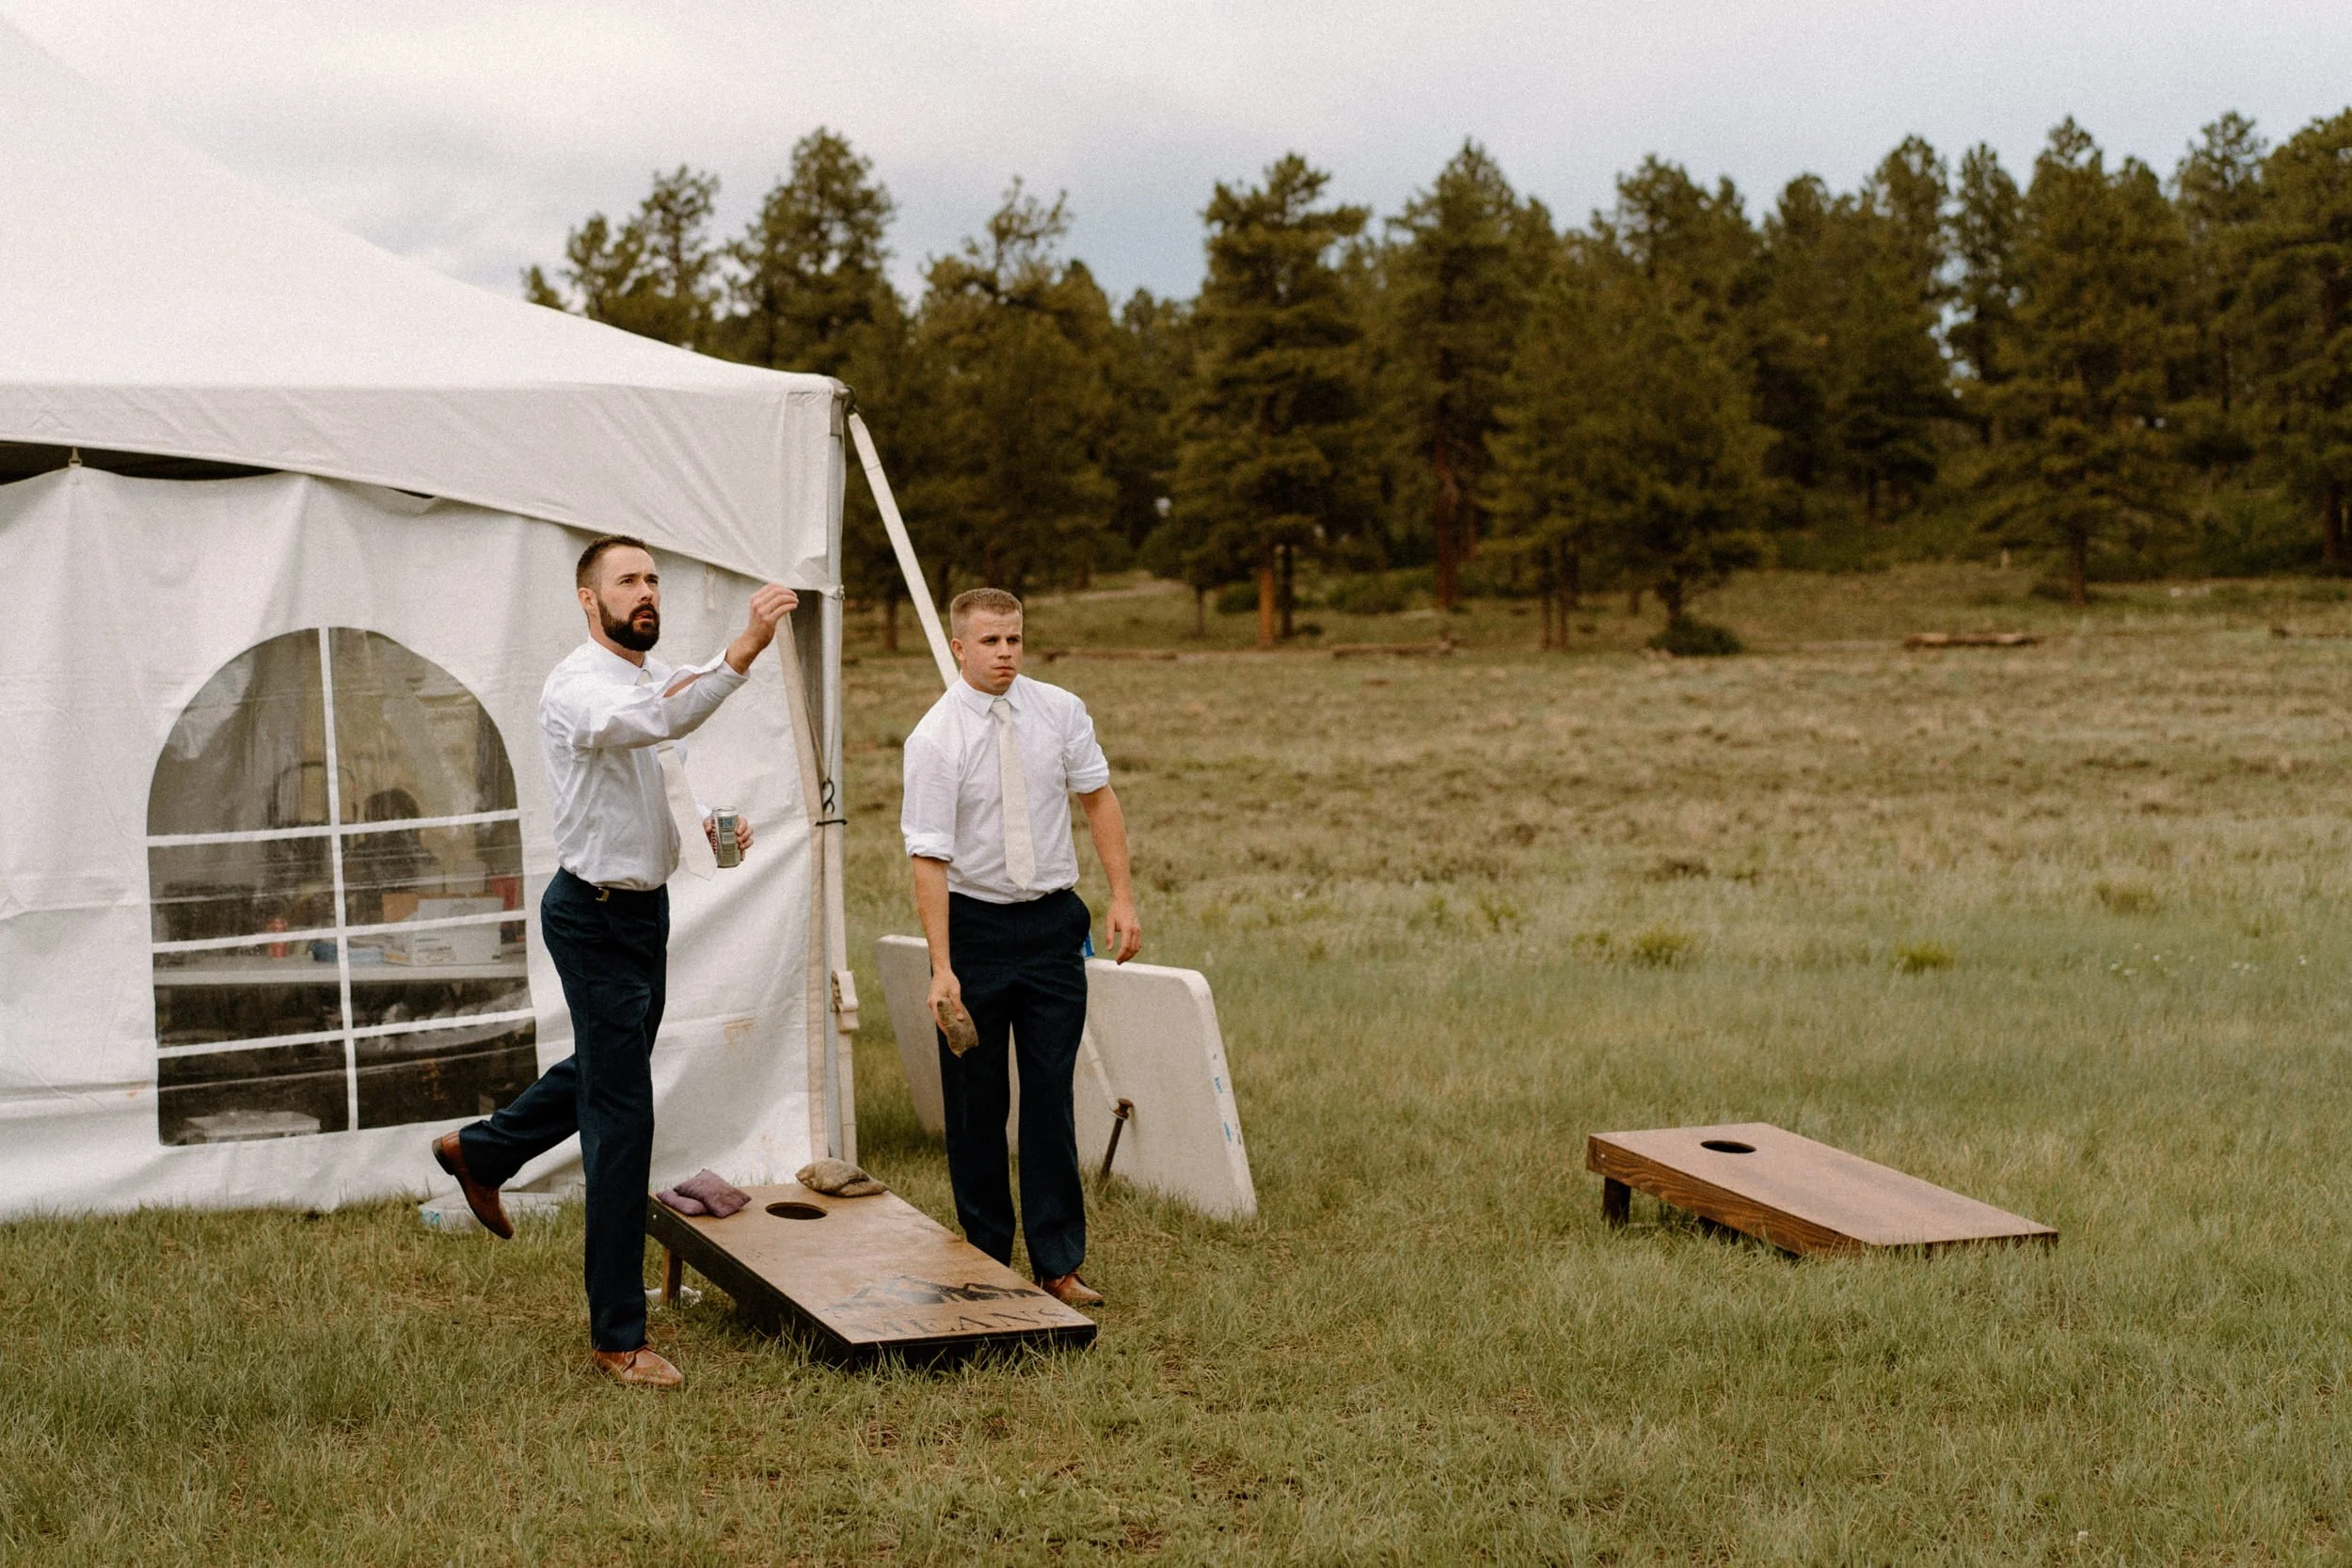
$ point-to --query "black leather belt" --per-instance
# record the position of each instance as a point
(605, 891)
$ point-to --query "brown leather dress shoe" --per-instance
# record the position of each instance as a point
(1070, 1291)
(482, 1201)
(641, 1367)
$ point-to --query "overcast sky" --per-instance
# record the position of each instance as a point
(473, 135)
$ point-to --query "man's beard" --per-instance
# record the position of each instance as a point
(626, 634)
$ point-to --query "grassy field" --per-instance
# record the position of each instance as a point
(2058, 927)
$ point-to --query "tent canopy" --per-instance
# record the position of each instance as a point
(153, 302)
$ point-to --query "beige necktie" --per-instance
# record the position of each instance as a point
(694, 856)
(1020, 853)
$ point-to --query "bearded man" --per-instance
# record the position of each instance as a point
(611, 724)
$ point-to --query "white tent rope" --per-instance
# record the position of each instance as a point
(903, 549)
(917, 590)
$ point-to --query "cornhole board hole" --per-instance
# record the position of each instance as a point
(1151, 1039)
(1798, 1194)
(862, 1278)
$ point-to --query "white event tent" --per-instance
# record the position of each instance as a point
(287, 526)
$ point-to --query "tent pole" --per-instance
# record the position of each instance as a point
(814, 801)
(903, 547)
(836, 912)
(832, 827)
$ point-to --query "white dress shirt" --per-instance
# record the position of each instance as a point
(600, 720)
(955, 798)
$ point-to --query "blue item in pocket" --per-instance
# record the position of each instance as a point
(1086, 949)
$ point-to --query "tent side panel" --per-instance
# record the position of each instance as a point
(152, 587)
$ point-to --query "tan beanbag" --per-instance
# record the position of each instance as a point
(837, 1179)
(956, 1024)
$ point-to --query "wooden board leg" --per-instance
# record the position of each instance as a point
(673, 1274)
(1616, 1201)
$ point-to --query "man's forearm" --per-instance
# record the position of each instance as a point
(930, 906)
(1107, 825)
(771, 605)
(748, 645)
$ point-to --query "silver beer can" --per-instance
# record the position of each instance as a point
(729, 854)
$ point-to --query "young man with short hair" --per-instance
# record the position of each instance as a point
(989, 775)
(610, 722)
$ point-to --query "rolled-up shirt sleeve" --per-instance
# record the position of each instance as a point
(1082, 758)
(590, 716)
(926, 816)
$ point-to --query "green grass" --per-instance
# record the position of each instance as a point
(2057, 926)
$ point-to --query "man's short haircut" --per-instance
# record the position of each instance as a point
(993, 601)
(595, 552)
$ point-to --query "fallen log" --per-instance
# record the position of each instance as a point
(1441, 647)
(1970, 639)
(1162, 655)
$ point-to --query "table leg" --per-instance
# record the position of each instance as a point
(1616, 1201)
(673, 1273)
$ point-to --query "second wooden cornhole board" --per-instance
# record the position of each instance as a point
(862, 1276)
(1783, 1188)
(1153, 1040)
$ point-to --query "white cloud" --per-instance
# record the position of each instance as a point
(473, 135)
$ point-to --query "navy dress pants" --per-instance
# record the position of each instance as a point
(1023, 974)
(612, 949)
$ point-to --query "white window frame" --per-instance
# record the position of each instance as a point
(335, 830)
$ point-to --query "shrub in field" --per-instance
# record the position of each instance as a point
(1688, 637)
(1661, 947)
(1237, 599)
(1502, 914)
(1371, 594)
(1918, 958)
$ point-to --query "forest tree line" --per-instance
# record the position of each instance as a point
(2129, 373)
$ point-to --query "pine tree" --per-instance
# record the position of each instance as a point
(1149, 363)
(2101, 264)
(1678, 232)
(1268, 465)
(1464, 257)
(2299, 297)
(1626, 434)
(1911, 193)
(1018, 338)
(809, 287)
(1988, 215)
(656, 275)
(811, 294)
(1799, 293)
(1676, 457)
(2218, 191)
(1541, 480)
(1893, 384)
(1848, 372)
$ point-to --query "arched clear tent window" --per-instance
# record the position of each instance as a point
(335, 864)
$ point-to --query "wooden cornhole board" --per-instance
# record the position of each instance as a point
(862, 1276)
(1792, 1192)
(1151, 1039)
